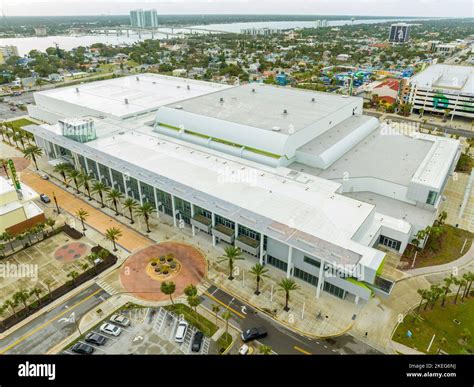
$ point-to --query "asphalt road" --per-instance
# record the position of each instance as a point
(47, 330)
(281, 339)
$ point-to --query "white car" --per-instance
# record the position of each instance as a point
(120, 320)
(181, 331)
(111, 329)
(244, 349)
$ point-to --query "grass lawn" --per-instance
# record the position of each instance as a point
(20, 123)
(451, 244)
(195, 319)
(439, 322)
(224, 341)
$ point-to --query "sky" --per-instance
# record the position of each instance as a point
(422, 8)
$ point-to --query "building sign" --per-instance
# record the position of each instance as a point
(14, 176)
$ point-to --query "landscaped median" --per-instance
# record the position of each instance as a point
(445, 329)
(200, 322)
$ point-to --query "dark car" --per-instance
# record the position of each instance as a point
(253, 334)
(197, 341)
(44, 198)
(82, 349)
(95, 338)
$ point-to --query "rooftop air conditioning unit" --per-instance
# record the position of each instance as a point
(276, 129)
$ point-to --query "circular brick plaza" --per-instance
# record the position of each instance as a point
(136, 277)
(71, 252)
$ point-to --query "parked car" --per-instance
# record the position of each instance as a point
(253, 334)
(95, 338)
(44, 198)
(44, 176)
(82, 349)
(111, 329)
(244, 349)
(181, 331)
(13, 109)
(120, 320)
(197, 341)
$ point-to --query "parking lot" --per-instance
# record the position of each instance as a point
(151, 331)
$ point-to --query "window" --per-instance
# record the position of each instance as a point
(334, 290)
(389, 242)
(226, 222)
(432, 196)
(148, 194)
(165, 199)
(311, 261)
(184, 209)
(277, 263)
(313, 280)
(249, 232)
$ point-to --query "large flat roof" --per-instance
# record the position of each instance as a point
(446, 77)
(149, 92)
(265, 107)
(391, 157)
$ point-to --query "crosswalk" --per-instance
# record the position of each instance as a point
(107, 287)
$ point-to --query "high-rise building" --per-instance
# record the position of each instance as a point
(7, 52)
(144, 18)
(399, 33)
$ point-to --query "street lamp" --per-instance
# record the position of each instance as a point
(56, 202)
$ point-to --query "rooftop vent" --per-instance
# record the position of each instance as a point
(179, 107)
(313, 99)
(285, 111)
(188, 87)
(276, 129)
(221, 100)
(126, 101)
(77, 90)
(253, 90)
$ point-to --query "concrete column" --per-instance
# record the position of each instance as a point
(156, 203)
(98, 171)
(192, 215)
(262, 237)
(213, 224)
(320, 280)
(236, 225)
(111, 178)
(125, 185)
(290, 256)
(174, 210)
(140, 192)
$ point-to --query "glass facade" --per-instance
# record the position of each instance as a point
(184, 208)
(93, 169)
(132, 188)
(201, 211)
(277, 263)
(118, 181)
(105, 175)
(148, 194)
(249, 232)
(226, 222)
(389, 242)
(311, 279)
(166, 204)
(82, 163)
(334, 290)
(432, 196)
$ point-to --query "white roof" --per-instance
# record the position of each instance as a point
(148, 92)
(447, 77)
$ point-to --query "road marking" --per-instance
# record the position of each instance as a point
(302, 350)
(224, 305)
(48, 322)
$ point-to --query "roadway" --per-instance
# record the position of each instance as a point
(49, 328)
(281, 339)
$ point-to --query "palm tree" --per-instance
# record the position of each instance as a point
(50, 222)
(22, 296)
(131, 205)
(216, 309)
(447, 288)
(259, 271)
(460, 282)
(287, 285)
(146, 210)
(48, 282)
(16, 138)
(168, 288)
(36, 291)
(84, 180)
(62, 169)
(190, 290)
(92, 258)
(113, 234)
(99, 188)
(74, 174)
(231, 255)
(422, 293)
(84, 266)
(8, 237)
(5, 169)
(265, 349)
(114, 196)
(32, 152)
(436, 292)
(226, 316)
(82, 215)
(73, 275)
(469, 277)
(12, 304)
(194, 302)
